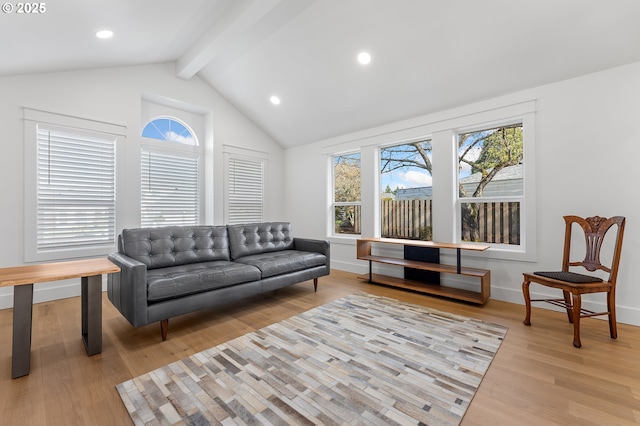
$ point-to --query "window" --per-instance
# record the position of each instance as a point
(76, 188)
(346, 194)
(170, 174)
(70, 186)
(170, 130)
(245, 188)
(170, 188)
(406, 191)
(484, 191)
(491, 184)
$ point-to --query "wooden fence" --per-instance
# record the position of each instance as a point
(412, 219)
(497, 223)
(408, 219)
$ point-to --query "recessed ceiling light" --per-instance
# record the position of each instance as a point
(275, 100)
(364, 58)
(104, 34)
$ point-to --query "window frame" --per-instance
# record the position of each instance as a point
(425, 138)
(171, 147)
(521, 199)
(231, 153)
(32, 119)
(334, 203)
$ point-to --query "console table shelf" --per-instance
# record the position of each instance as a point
(364, 246)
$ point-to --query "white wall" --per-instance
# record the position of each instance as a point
(114, 95)
(587, 146)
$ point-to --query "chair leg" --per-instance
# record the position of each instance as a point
(577, 306)
(611, 307)
(568, 304)
(527, 301)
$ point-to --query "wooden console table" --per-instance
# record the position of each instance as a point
(22, 278)
(364, 253)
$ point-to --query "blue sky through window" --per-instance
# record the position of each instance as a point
(405, 176)
(168, 129)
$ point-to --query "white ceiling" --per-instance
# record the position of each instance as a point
(428, 55)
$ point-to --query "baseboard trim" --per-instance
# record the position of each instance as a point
(71, 288)
(625, 315)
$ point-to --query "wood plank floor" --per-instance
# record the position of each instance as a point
(537, 377)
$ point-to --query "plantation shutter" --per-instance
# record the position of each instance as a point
(76, 201)
(170, 189)
(245, 191)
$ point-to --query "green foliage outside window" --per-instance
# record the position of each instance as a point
(346, 175)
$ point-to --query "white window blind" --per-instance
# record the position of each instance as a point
(170, 189)
(245, 191)
(76, 200)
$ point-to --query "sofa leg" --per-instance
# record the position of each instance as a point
(164, 328)
(315, 285)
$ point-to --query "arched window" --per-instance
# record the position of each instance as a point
(171, 174)
(170, 130)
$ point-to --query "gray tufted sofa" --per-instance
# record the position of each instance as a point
(174, 270)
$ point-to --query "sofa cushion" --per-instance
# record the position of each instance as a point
(254, 238)
(175, 245)
(175, 281)
(283, 262)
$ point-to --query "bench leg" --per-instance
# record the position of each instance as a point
(91, 306)
(164, 328)
(22, 317)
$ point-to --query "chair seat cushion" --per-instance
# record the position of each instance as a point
(570, 277)
(176, 281)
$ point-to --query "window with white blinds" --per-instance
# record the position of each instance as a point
(170, 188)
(245, 190)
(76, 189)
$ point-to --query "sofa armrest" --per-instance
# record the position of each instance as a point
(318, 246)
(127, 290)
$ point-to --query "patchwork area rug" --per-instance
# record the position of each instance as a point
(361, 359)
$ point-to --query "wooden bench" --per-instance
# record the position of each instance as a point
(22, 279)
(364, 252)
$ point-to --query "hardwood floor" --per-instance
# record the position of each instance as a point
(536, 378)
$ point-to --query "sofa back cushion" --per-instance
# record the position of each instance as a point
(254, 238)
(175, 245)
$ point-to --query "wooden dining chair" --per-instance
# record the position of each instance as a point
(574, 285)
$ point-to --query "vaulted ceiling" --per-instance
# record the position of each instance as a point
(427, 55)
